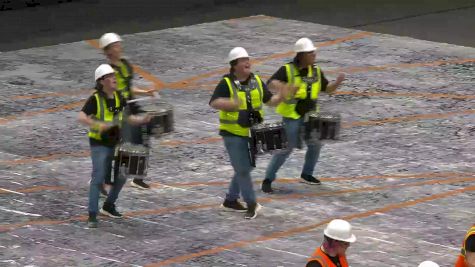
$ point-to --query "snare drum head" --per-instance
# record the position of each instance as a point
(313, 114)
(158, 108)
(124, 146)
(325, 115)
(258, 126)
(133, 149)
(267, 125)
(275, 124)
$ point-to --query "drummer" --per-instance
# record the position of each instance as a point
(239, 97)
(103, 113)
(306, 76)
(111, 43)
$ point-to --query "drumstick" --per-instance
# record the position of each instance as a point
(139, 99)
(146, 98)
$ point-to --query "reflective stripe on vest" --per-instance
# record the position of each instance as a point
(103, 114)
(287, 107)
(325, 261)
(228, 119)
(461, 258)
(290, 71)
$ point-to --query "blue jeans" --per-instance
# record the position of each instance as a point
(102, 157)
(237, 147)
(292, 130)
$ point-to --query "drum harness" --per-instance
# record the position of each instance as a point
(252, 116)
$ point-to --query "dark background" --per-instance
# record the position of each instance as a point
(47, 22)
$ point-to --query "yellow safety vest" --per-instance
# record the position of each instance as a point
(104, 114)
(287, 107)
(228, 119)
(124, 76)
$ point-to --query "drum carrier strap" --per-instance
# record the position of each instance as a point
(247, 89)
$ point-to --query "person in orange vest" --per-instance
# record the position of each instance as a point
(467, 254)
(332, 253)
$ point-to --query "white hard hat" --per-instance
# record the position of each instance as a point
(304, 45)
(108, 39)
(428, 264)
(102, 71)
(340, 230)
(237, 52)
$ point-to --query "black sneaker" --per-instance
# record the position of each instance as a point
(104, 192)
(139, 184)
(109, 210)
(233, 206)
(252, 210)
(266, 187)
(92, 221)
(309, 179)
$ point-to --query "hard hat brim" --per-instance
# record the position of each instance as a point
(306, 50)
(351, 239)
(98, 78)
(111, 43)
(232, 59)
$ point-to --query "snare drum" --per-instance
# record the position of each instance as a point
(133, 159)
(323, 126)
(268, 137)
(162, 119)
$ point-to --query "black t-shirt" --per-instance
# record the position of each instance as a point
(90, 108)
(470, 244)
(222, 90)
(281, 75)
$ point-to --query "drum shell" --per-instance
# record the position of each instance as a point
(133, 160)
(323, 126)
(162, 121)
(268, 137)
